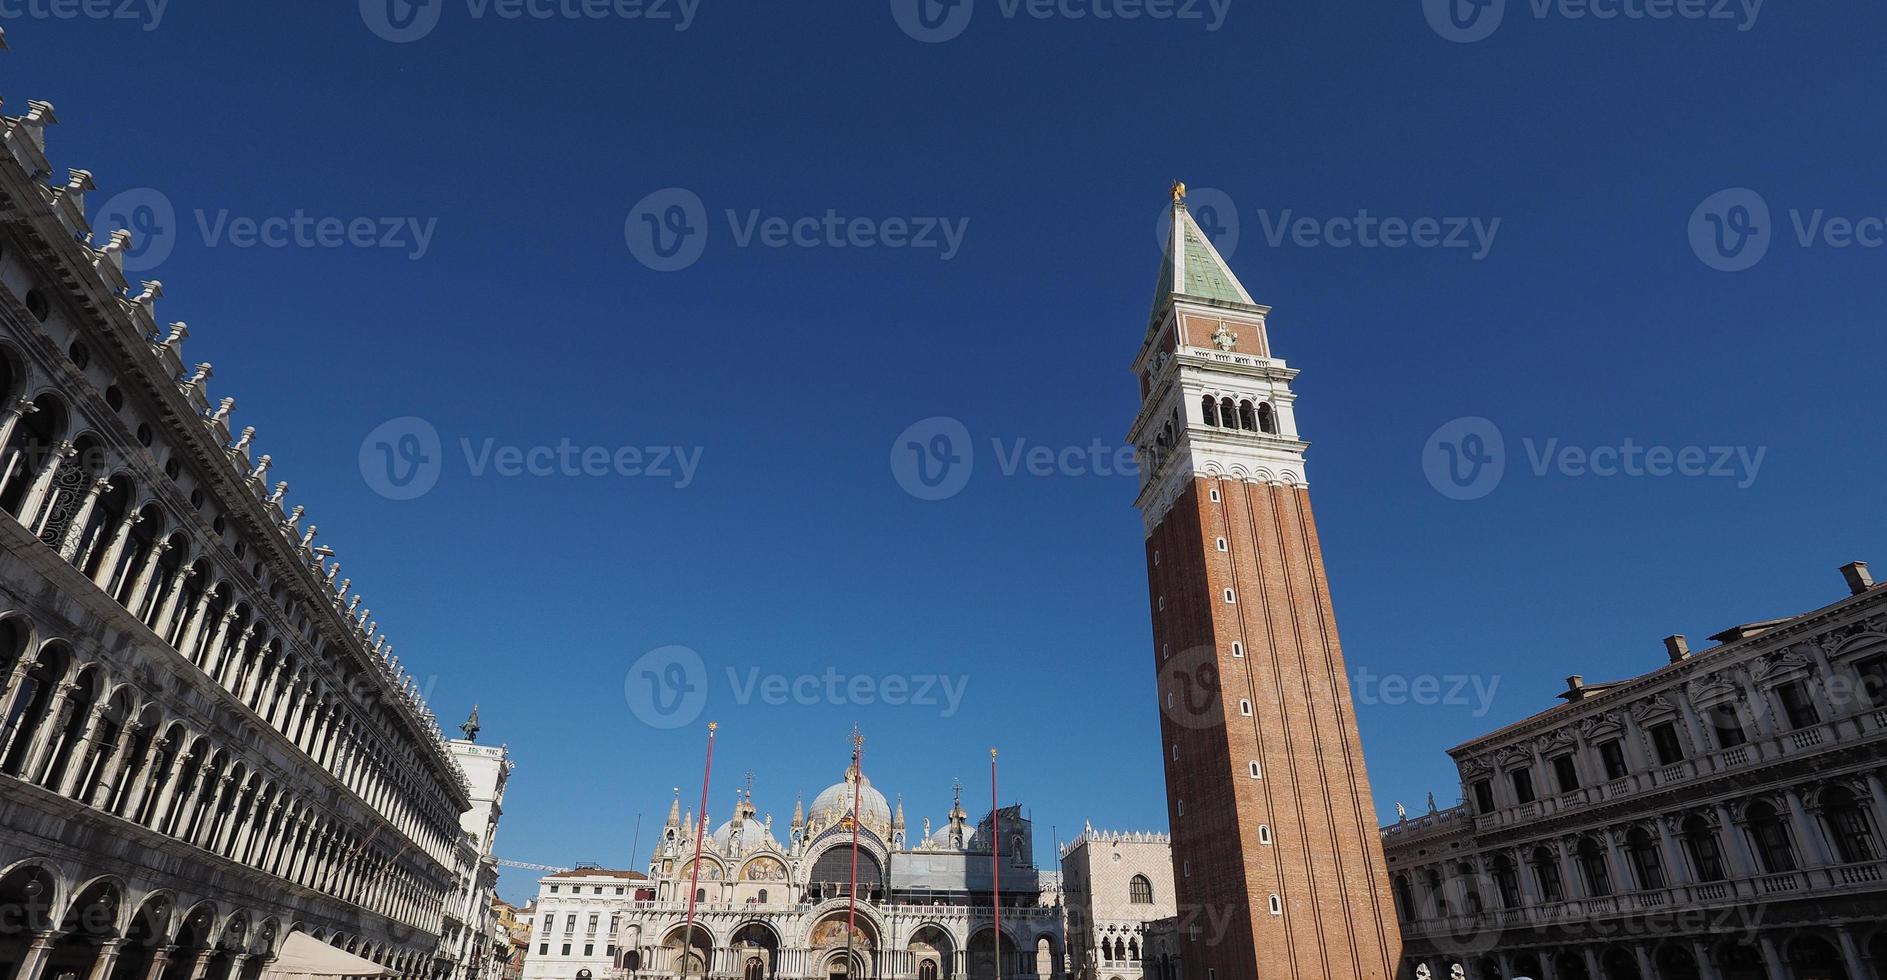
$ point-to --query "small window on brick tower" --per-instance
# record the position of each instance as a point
(1277, 905)
(1215, 495)
(1175, 751)
(1230, 596)
(1264, 834)
(1156, 557)
(1244, 707)
(1222, 545)
(1162, 603)
(1238, 649)
(1257, 773)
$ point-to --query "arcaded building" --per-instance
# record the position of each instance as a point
(1718, 817)
(209, 759)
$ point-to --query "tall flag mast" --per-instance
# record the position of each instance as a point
(995, 860)
(858, 787)
(694, 881)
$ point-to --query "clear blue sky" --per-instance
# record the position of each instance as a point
(1590, 320)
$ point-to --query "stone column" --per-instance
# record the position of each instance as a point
(67, 782)
(106, 577)
(107, 958)
(1735, 846)
(17, 408)
(1571, 883)
(51, 729)
(219, 653)
(1878, 790)
(1706, 961)
(1623, 877)
(140, 787)
(201, 967)
(199, 618)
(160, 958)
(1592, 963)
(115, 766)
(1671, 856)
(33, 965)
(167, 610)
(1807, 832)
(1851, 954)
(1772, 959)
(42, 485)
(142, 584)
(75, 532)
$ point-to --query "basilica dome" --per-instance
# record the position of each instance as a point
(753, 834)
(835, 804)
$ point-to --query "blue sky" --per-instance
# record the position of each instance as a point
(512, 312)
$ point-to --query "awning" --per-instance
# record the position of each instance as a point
(304, 956)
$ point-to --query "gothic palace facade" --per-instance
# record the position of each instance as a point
(1718, 818)
(209, 758)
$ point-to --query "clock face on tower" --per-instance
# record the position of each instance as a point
(1269, 800)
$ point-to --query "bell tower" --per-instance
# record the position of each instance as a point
(1276, 854)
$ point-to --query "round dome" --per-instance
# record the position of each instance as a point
(941, 839)
(835, 804)
(753, 833)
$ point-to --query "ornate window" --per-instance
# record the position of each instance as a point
(1209, 409)
(1591, 856)
(1267, 421)
(1706, 856)
(1140, 890)
(1849, 827)
(1546, 869)
(1647, 862)
(1247, 417)
(1773, 848)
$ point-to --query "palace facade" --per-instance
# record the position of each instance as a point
(1122, 917)
(1718, 818)
(210, 761)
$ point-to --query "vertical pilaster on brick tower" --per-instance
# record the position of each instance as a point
(1276, 852)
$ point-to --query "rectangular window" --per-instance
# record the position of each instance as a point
(1729, 727)
(1797, 705)
(1612, 754)
(1547, 870)
(592, 929)
(1664, 742)
(1484, 795)
(1566, 773)
(566, 949)
(543, 949)
(1523, 785)
(589, 949)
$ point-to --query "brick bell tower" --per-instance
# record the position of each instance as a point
(1276, 852)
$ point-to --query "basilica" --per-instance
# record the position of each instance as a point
(771, 905)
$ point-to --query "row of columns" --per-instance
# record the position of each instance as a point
(1703, 955)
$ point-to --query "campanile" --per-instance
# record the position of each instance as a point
(1276, 853)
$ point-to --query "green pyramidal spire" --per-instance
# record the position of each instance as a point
(1192, 267)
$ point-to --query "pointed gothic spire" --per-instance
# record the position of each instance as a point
(799, 811)
(1192, 267)
(674, 810)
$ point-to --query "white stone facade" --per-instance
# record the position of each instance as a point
(472, 930)
(1121, 906)
(574, 920)
(205, 744)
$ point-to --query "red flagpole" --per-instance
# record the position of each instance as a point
(995, 860)
(694, 882)
(858, 788)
